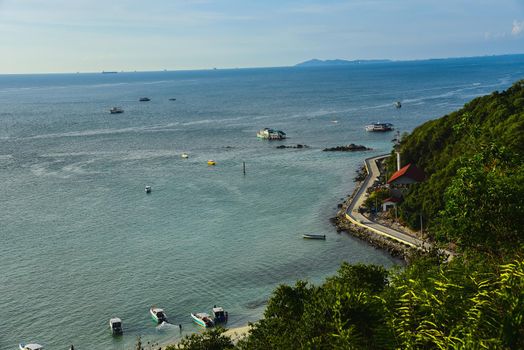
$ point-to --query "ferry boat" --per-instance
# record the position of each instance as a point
(158, 314)
(202, 319)
(115, 325)
(219, 316)
(378, 127)
(313, 236)
(32, 346)
(116, 110)
(144, 99)
(271, 134)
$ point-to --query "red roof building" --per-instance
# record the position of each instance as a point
(407, 175)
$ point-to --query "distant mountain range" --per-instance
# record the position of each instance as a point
(318, 63)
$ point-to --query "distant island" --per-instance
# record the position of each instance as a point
(337, 62)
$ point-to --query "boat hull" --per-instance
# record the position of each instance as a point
(311, 236)
(201, 322)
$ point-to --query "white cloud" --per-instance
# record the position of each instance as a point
(518, 27)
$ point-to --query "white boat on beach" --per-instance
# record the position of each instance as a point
(32, 346)
(313, 236)
(202, 319)
(158, 314)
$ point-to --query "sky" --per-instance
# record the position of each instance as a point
(39, 36)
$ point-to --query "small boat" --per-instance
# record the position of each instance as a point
(184, 155)
(32, 346)
(271, 134)
(202, 319)
(219, 316)
(211, 162)
(398, 105)
(148, 189)
(313, 236)
(144, 99)
(158, 314)
(379, 127)
(172, 99)
(115, 325)
(116, 110)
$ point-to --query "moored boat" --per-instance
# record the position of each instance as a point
(271, 134)
(378, 127)
(202, 319)
(115, 325)
(219, 316)
(32, 346)
(184, 155)
(144, 99)
(158, 314)
(313, 236)
(211, 162)
(116, 110)
(148, 189)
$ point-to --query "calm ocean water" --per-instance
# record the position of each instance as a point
(81, 242)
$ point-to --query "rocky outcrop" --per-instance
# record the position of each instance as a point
(348, 148)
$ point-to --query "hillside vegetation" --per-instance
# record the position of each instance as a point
(473, 198)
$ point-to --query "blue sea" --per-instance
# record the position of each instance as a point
(81, 242)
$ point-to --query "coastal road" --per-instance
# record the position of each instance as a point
(358, 219)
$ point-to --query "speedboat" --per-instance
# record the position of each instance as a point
(219, 316)
(202, 319)
(32, 346)
(158, 314)
(211, 162)
(116, 110)
(148, 189)
(184, 155)
(144, 99)
(115, 324)
(378, 127)
(313, 236)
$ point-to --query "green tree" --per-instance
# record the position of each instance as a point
(211, 339)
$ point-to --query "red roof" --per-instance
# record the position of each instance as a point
(409, 171)
(392, 200)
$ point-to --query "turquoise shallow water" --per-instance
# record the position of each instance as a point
(81, 242)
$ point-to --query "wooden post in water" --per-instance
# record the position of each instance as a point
(244, 167)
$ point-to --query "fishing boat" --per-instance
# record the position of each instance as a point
(202, 319)
(144, 99)
(219, 316)
(116, 110)
(313, 236)
(148, 189)
(211, 162)
(184, 155)
(115, 325)
(379, 127)
(158, 314)
(32, 346)
(271, 134)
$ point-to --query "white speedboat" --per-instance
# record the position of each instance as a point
(115, 324)
(378, 127)
(158, 314)
(116, 110)
(202, 319)
(148, 189)
(32, 346)
(184, 155)
(313, 236)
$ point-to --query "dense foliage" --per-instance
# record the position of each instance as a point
(473, 158)
(474, 198)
